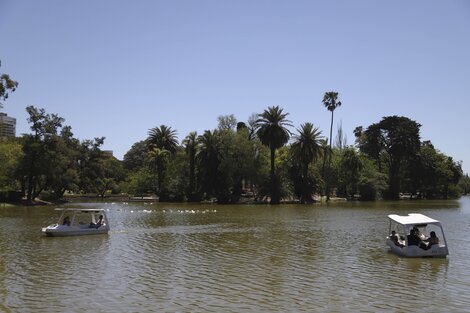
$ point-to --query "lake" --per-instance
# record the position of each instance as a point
(246, 258)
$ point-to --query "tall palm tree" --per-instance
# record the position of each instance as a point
(305, 149)
(158, 158)
(191, 143)
(271, 129)
(208, 158)
(162, 142)
(163, 137)
(330, 101)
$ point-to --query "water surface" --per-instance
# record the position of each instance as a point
(210, 258)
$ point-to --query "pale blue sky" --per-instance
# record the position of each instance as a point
(119, 68)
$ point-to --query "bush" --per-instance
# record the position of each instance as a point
(367, 189)
(11, 196)
(372, 188)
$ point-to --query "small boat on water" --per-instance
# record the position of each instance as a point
(416, 235)
(76, 222)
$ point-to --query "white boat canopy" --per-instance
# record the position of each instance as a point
(412, 219)
(399, 240)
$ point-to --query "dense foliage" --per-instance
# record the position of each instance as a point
(253, 160)
(231, 163)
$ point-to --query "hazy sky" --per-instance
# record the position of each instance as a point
(118, 68)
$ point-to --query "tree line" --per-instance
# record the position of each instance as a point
(263, 159)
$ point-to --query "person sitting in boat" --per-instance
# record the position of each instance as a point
(413, 238)
(98, 224)
(395, 240)
(66, 221)
(420, 235)
(432, 240)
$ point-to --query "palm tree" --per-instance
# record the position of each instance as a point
(305, 149)
(158, 158)
(272, 130)
(191, 143)
(208, 158)
(163, 137)
(330, 101)
(162, 142)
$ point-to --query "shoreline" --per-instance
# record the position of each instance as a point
(243, 201)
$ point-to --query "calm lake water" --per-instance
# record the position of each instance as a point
(210, 258)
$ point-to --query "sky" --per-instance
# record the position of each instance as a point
(119, 68)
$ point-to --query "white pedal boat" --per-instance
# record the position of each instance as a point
(76, 222)
(411, 236)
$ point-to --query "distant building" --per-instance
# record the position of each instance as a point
(108, 153)
(7, 126)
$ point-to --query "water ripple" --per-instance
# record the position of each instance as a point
(197, 258)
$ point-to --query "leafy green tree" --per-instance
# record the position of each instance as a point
(112, 174)
(272, 130)
(6, 85)
(134, 159)
(177, 180)
(422, 172)
(237, 164)
(64, 174)
(99, 172)
(227, 122)
(225, 159)
(305, 149)
(464, 184)
(90, 162)
(141, 182)
(359, 134)
(50, 159)
(330, 101)
(190, 144)
(453, 174)
(438, 175)
(350, 168)
(38, 150)
(10, 156)
(372, 183)
(395, 140)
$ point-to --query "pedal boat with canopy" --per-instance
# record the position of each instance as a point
(404, 225)
(77, 222)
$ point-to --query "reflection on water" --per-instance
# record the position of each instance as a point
(186, 258)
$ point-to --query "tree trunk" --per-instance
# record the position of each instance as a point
(394, 180)
(327, 181)
(29, 192)
(275, 197)
(304, 195)
(273, 151)
(191, 174)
